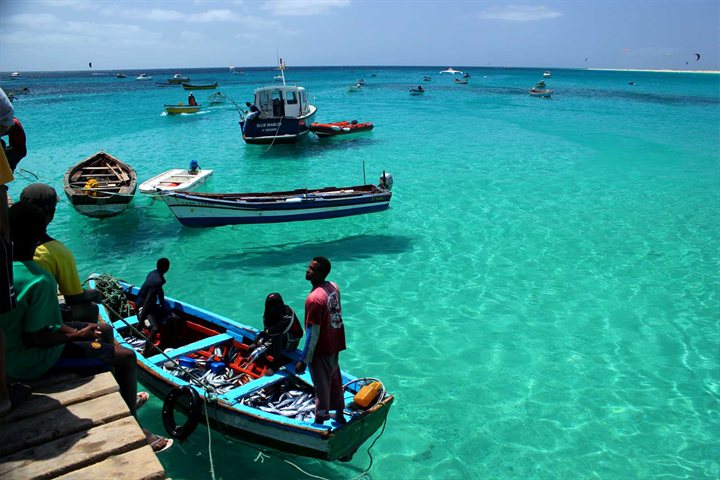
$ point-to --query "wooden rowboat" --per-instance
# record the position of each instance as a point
(218, 209)
(209, 86)
(212, 372)
(100, 186)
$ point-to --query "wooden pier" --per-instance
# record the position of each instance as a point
(75, 428)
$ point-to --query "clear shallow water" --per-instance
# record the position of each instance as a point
(541, 298)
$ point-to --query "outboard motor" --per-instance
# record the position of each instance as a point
(386, 181)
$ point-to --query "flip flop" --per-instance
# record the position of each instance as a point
(140, 399)
(157, 444)
(17, 393)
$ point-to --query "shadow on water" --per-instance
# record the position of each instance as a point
(342, 249)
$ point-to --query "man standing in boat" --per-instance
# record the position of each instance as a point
(191, 100)
(152, 308)
(324, 341)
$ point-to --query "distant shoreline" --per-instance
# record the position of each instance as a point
(716, 72)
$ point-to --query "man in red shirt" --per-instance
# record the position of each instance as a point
(324, 341)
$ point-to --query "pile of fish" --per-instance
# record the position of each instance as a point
(287, 399)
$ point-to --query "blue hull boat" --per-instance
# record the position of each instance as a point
(218, 209)
(208, 367)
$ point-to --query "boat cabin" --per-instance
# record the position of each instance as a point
(282, 101)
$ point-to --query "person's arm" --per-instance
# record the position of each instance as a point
(65, 334)
(311, 339)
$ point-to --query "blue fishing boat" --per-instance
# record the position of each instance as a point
(218, 209)
(285, 114)
(209, 368)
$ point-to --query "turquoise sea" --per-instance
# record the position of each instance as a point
(542, 297)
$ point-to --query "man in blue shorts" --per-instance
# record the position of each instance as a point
(36, 337)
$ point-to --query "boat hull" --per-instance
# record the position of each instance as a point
(112, 192)
(340, 128)
(175, 180)
(229, 411)
(210, 210)
(178, 109)
(276, 129)
(188, 86)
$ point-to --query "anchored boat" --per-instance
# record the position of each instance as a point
(181, 108)
(208, 86)
(176, 180)
(100, 186)
(218, 209)
(285, 114)
(340, 128)
(212, 371)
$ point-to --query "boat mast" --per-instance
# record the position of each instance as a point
(281, 67)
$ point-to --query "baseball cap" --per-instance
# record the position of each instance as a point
(40, 194)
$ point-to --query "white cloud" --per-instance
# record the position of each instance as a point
(73, 4)
(520, 13)
(302, 7)
(33, 20)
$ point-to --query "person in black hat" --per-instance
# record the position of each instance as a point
(56, 258)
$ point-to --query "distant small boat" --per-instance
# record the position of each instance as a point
(218, 209)
(278, 78)
(181, 108)
(340, 128)
(540, 85)
(217, 98)
(120, 75)
(451, 70)
(207, 86)
(547, 74)
(417, 91)
(14, 75)
(427, 78)
(461, 81)
(175, 180)
(354, 88)
(466, 75)
(177, 78)
(360, 81)
(100, 186)
(545, 93)
(142, 76)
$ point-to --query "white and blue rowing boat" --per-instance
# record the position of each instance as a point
(212, 368)
(218, 209)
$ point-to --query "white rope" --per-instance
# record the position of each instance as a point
(210, 454)
(275, 136)
(306, 473)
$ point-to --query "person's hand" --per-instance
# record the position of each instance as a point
(90, 331)
(300, 368)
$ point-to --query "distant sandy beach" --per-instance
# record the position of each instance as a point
(716, 72)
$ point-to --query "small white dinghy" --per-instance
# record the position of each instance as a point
(177, 180)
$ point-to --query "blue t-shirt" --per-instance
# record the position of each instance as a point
(37, 309)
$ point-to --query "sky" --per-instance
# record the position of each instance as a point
(142, 34)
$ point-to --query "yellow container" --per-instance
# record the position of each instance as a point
(367, 394)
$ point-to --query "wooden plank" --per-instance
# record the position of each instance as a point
(52, 396)
(76, 451)
(61, 422)
(141, 464)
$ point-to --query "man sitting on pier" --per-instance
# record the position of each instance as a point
(57, 259)
(36, 336)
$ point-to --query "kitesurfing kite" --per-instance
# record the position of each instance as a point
(90, 64)
(697, 57)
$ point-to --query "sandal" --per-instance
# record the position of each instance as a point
(140, 399)
(158, 443)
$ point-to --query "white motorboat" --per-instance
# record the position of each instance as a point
(143, 76)
(547, 74)
(176, 180)
(354, 88)
(451, 71)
